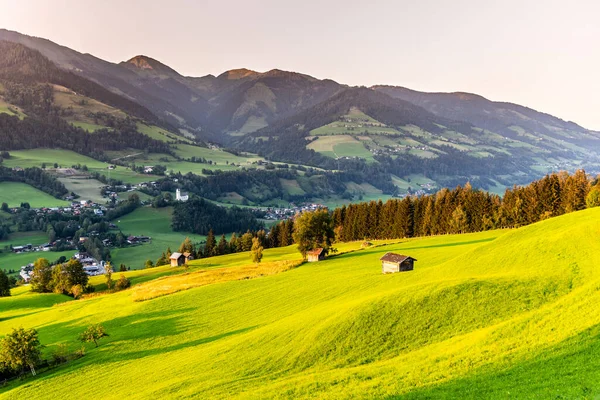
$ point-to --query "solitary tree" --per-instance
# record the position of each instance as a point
(186, 247)
(593, 198)
(108, 274)
(211, 244)
(4, 284)
(21, 349)
(256, 252)
(313, 230)
(93, 333)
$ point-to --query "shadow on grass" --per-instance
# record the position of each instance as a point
(382, 248)
(183, 345)
(569, 370)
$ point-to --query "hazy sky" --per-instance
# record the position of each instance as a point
(542, 54)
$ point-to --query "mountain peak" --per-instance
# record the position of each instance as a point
(149, 64)
(240, 73)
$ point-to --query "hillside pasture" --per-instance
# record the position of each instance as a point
(15, 193)
(152, 222)
(66, 159)
(340, 146)
(487, 315)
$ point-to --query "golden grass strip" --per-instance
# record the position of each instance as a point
(172, 284)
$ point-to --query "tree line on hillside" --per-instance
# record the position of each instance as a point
(261, 186)
(24, 66)
(463, 209)
(280, 235)
(35, 177)
(54, 132)
(201, 216)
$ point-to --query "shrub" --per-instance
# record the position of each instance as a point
(93, 333)
(123, 283)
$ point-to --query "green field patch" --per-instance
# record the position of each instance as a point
(14, 261)
(87, 126)
(292, 187)
(65, 159)
(340, 146)
(6, 108)
(160, 134)
(152, 222)
(354, 123)
(35, 238)
(15, 193)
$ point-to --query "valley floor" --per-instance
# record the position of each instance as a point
(500, 314)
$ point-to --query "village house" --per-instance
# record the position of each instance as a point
(392, 262)
(315, 255)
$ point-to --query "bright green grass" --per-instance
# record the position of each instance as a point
(14, 193)
(153, 222)
(501, 314)
(21, 238)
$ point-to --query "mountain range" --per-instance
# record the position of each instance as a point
(253, 111)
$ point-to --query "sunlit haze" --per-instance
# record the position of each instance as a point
(544, 55)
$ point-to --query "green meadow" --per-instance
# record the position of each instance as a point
(66, 159)
(494, 315)
(14, 193)
(153, 222)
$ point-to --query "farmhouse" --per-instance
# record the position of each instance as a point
(315, 255)
(177, 259)
(392, 262)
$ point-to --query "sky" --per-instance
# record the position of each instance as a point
(541, 54)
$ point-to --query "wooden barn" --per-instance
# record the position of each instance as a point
(188, 256)
(392, 262)
(315, 255)
(177, 259)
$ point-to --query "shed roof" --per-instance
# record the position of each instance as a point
(187, 254)
(175, 256)
(395, 258)
(315, 252)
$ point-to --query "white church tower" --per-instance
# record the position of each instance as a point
(181, 196)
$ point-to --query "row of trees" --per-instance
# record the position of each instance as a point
(68, 278)
(464, 210)
(35, 177)
(200, 216)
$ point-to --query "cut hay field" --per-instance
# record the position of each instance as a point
(340, 146)
(14, 193)
(492, 315)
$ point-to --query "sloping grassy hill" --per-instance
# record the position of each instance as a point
(503, 314)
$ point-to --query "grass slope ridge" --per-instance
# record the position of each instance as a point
(478, 310)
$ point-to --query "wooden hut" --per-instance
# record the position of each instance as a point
(392, 262)
(188, 257)
(177, 259)
(315, 255)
